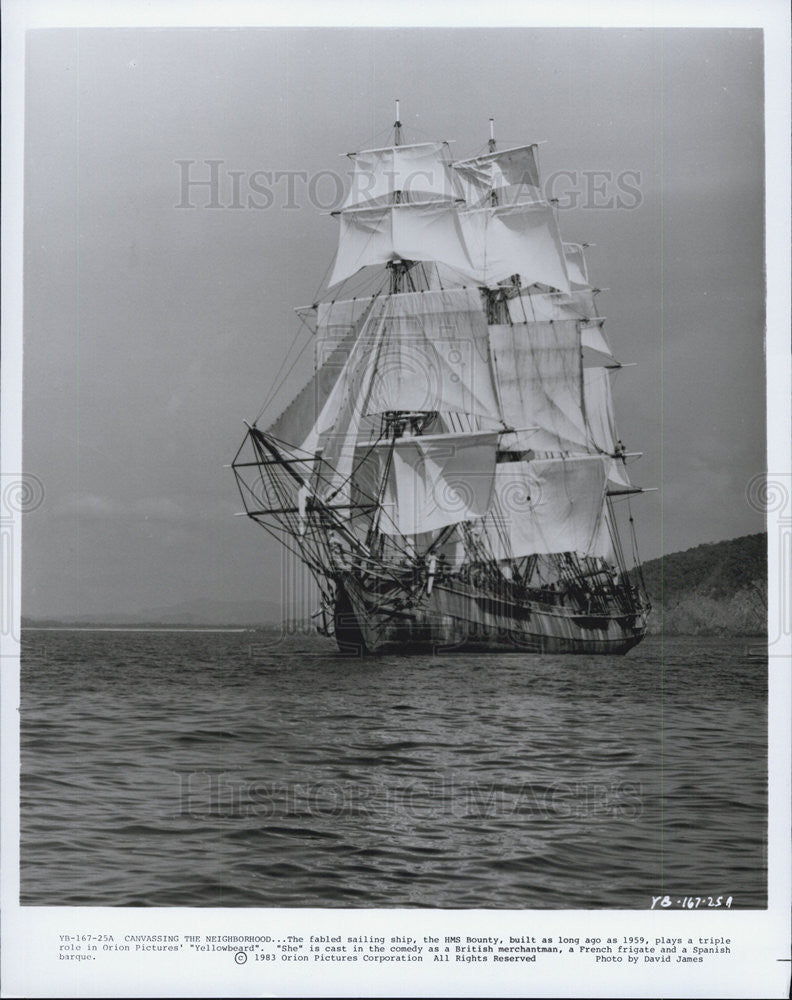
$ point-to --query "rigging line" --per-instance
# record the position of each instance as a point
(365, 281)
(305, 324)
(365, 247)
(400, 548)
(431, 135)
(616, 539)
(479, 149)
(443, 536)
(522, 306)
(375, 521)
(597, 528)
(323, 279)
(410, 129)
(636, 554)
(596, 308)
(500, 522)
(273, 486)
(375, 136)
(575, 569)
(355, 468)
(275, 383)
(278, 533)
(354, 286)
(483, 546)
(371, 364)
(276, 388)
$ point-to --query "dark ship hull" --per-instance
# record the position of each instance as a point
(458, 616)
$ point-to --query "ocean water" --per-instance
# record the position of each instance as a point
(241, 769)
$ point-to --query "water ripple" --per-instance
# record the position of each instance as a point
(167, 769)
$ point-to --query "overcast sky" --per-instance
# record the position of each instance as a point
(152, 330)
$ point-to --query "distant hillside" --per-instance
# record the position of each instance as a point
(198, 612)
(715, 589)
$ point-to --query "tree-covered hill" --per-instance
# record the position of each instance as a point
(718, 588)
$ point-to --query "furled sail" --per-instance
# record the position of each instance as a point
(422, 231)
(539, 378)
(417, 172)
(427, 483)
(515, 239)
(548, 506)
(511, 175)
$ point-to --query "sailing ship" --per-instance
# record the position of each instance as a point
(449, 474)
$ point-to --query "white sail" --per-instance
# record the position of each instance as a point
(599, 416)
(435, 356)
(539, 378)
(512, 175)
(342, 417)
(416, 351)
(599, 409)
(593, 339)
(527, 307)
(576, 265)
(335, 321)
(424, 231)
(298, 426)
(548, 506)
(431, 481)
(579, 304)
(453, 428)
(418, 172)
(515, 239)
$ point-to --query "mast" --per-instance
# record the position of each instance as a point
(491, 148)
(398, 269)
(390, 465)
(401, 208)
(400, 280)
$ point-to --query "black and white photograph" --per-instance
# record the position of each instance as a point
(396, 505)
